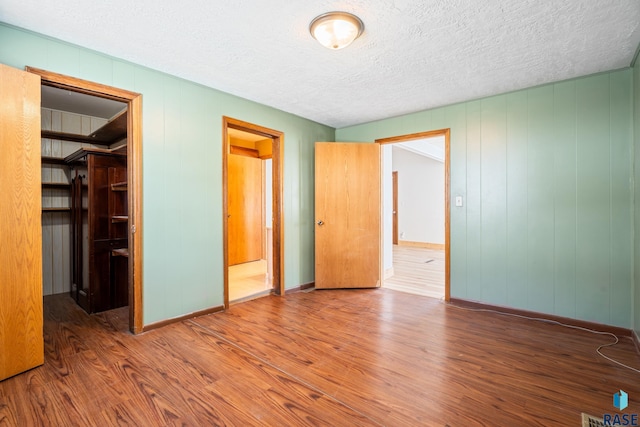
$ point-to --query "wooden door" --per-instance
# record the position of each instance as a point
(347, 203)
(245, 209)
(21, 335)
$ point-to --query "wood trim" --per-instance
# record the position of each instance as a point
(447, 193)
(163, 323)
(425, 245)
(411, 137)
(87, 87)
(621, 332)
(277, 139)
(225, 212)
(447, 214)
(243, 151)
(134, 175)
(636, 340)
(300, 288)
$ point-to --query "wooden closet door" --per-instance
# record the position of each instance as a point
(245, 209)
(21, 334)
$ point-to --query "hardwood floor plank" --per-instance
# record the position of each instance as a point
(418, 271)
(339, 357)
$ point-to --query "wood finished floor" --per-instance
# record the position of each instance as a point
(248, 279)
(335, 358)
(417, 271)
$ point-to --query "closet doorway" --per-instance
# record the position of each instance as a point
(252, 211)
(91, 162)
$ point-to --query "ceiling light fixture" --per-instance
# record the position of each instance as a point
(335, 30)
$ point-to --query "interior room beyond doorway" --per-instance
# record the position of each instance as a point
(414, 214)
(250, 215)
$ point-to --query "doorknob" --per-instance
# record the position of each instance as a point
(320, 222)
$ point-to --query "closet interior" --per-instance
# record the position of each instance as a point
(84, 198)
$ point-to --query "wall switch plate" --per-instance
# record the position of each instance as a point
(458, 201)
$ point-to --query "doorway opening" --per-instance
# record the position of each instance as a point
(91, 160)
(252, 211)
(415, 227)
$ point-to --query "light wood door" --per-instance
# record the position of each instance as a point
(245, 209)
(21, 335)
(347, 208)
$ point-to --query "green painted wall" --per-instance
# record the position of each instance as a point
(182, 178)
(636, 121)
(546, 174)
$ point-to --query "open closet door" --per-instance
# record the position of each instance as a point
(21, 335)
(347, 201)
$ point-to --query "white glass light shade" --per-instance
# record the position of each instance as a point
(335, 30)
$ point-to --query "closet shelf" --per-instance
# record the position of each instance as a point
(47, 160)
(113, 131)
(63, 136)
(63, 185)
(119, 218)
(59, 209)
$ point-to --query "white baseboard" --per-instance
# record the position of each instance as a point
(425, 245)
(388, 273)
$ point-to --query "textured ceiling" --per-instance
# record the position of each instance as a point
(413, 55)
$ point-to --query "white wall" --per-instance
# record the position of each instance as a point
(420, 197)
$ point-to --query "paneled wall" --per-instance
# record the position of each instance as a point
(56, 228)
(182, 172)
(546, 176)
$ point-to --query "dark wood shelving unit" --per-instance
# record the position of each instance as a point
(99, 222)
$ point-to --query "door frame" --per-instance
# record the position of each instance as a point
(447, 192)
(134, 174)
(277, 139)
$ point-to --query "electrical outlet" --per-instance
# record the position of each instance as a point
(458, 201)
